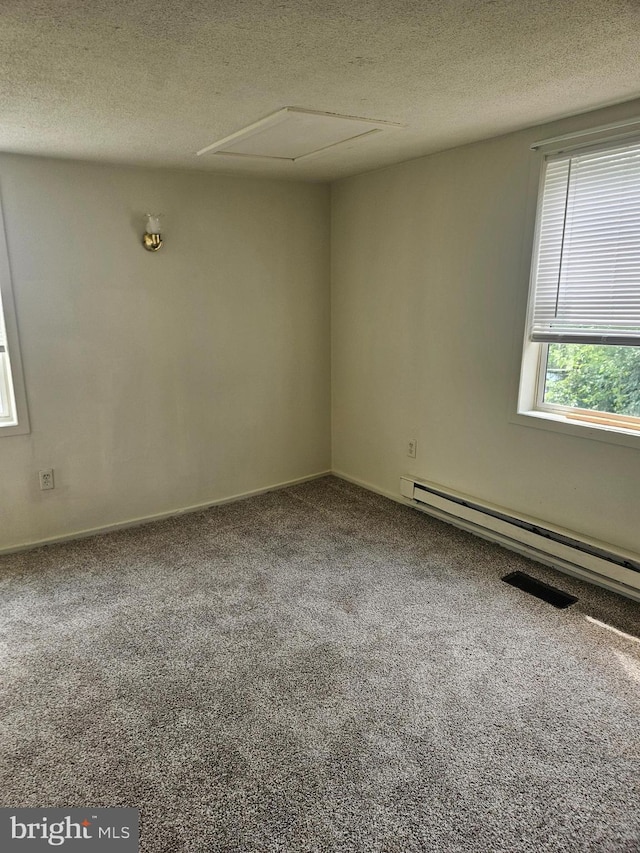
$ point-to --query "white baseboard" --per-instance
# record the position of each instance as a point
(394, 496)
(482, 533)
(509, 544)
(146, 519)
(533, 554)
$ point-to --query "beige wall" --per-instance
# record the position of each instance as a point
(429, 294)
(157, 382)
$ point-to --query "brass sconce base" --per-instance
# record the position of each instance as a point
(152, 242)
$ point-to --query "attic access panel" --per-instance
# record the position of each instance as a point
(293, 134)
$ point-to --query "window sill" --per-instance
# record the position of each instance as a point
(558, 423)
(15, 429)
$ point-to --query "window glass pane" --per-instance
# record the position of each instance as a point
(591, 376)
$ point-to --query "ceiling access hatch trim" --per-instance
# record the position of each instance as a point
(293, 134)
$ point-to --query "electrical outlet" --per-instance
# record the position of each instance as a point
(46, 478)
(411, 448)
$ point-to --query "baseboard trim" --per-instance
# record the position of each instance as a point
(531, 553)
(394, 496)
(160, 516)
(509, 544)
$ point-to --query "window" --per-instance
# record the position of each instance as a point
(13, 404)
(582, 349)
(6, 385)
(8, 413)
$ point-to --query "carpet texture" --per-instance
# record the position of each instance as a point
(319, 669)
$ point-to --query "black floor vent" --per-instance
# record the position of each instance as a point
(541, 590)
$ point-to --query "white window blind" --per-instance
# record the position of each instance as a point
(587, 269)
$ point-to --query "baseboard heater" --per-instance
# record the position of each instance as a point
(588, 559)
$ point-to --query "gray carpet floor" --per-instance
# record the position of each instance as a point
(319, 669)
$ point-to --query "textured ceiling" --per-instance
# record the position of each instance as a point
(153, 82)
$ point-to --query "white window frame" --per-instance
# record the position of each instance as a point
(530, 407)
(565, 411)
(11, 374)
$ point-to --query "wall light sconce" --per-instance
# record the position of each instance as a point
(152, 238)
